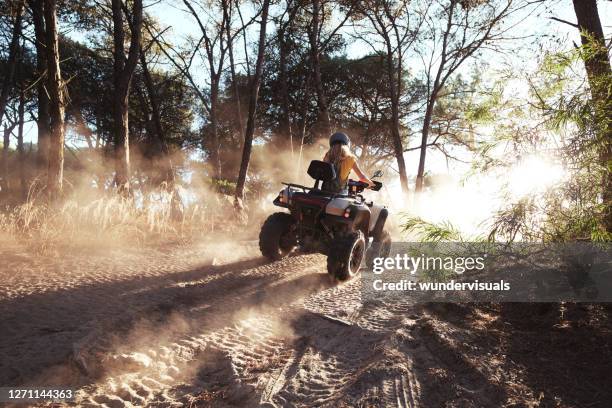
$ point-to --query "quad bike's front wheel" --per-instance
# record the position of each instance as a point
(346, 255)
(276, 238)
(380, 248)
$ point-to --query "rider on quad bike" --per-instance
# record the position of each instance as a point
(340, 156)
(332, 217)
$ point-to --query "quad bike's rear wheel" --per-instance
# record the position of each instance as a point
(346, 255)
(277, 238)
(380, 248)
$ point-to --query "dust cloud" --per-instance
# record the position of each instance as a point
(470, 204)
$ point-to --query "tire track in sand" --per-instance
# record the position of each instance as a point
(291, 339)
(236, 320)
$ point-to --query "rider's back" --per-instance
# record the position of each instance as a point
(342, 169)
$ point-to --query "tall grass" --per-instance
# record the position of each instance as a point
(111, 220)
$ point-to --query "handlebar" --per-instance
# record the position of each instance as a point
(356, 186)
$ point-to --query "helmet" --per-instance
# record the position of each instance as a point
(341, 138)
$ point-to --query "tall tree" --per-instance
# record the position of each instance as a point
(6, 142)
(254, 85)
(227, 17)
(466, 27)
(323, 123)
(42, 119)
(20, 149)
(318, 45)
(8, 81)
(283, 32)
(599, 75)
(123, 71)
(160, 137)
(55, 88)
(215, 67)
(391, 21)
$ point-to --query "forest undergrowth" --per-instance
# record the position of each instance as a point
(111, 221)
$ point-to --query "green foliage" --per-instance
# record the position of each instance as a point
(484, 111)
(570, 212)
(223, 186)
(511, 223)
(431, 232)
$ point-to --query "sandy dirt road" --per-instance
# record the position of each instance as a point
(215, 325)
(200, 326)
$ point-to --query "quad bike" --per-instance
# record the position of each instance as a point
(343, 226)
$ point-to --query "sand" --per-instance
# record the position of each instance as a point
(216, 325)
(191, 325)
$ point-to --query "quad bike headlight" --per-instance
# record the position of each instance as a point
(347, 213)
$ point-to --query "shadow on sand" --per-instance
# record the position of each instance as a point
(41, 331)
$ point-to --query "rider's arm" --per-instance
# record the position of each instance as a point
(361, 175)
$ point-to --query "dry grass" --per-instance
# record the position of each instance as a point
(207, 398)
(111, 220)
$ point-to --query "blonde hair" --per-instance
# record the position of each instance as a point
(337, 153)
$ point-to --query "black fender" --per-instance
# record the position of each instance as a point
(380, 224)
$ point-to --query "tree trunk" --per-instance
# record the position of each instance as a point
(123, 71)
(285, 122)
(431, 103)
(98, 132)
(121, 142)
(20, 151)
(302, 134)
(43, 120)
(399, 148)
(215, 81)
(214, 102)
(244, 41)
(423, 150)
(155, 115)
(4, 186)
(599, 74)
(120, 115)
(164, 150)
(255, 83)
(55, 86)
(395, 91)
(8, 81)
(81, 126)
(230, 49)
(323, 127)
